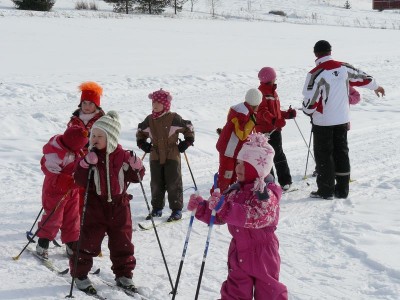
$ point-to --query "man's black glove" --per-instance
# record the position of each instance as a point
(145, 146)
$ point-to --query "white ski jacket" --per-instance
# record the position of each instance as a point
(326, 91)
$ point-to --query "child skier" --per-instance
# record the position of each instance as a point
(239, 124)
(162, 127)
(107, 207)
(59, 192)
(89, 110)
(271, 120)
(251, 210)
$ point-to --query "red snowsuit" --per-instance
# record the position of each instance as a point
(59, 188)
(113, 218)
(240, 123)
(253, 256)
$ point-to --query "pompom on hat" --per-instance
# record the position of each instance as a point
(266, 74)
(253, 97)
(110, 124)
(259, 154)
(74, 138)
(91, 91)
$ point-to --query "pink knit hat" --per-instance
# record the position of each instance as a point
(162, 97)
(257, 152)
(266, 74)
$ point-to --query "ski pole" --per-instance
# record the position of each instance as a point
(189, 231)
(175, 289)
(211, 224)
(29, 233)
(78, 246)
(44, 223)
(154, 227)
(190, 170)
(308, 147)
(308, 154)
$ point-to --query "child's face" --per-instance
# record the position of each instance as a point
(88, 107)
(98, 139)
(240, 170)
(157, 106)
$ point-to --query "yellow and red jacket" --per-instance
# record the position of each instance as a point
(240, 123)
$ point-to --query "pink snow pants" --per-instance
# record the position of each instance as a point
(253, 273)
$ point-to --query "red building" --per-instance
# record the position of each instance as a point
(385, 4)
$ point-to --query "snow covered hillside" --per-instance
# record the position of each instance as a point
(340, 249)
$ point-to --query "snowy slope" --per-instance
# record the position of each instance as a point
(340, 249)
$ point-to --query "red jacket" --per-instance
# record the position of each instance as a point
(269, 110)
(240, 123)
(57, 164)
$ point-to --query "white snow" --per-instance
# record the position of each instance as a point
(340, 249)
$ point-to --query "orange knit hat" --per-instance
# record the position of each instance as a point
(91, 91)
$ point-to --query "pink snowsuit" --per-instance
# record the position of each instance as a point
(253, 257)
(58, 187)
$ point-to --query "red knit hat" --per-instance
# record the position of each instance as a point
(74, 138)
(91, 91)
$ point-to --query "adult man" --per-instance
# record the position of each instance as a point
(326, 100)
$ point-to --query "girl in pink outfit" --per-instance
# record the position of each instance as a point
(57, 163)
(251, 210)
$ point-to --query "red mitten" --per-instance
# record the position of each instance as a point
(291, 113)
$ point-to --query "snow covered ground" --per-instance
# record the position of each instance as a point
(340, 249)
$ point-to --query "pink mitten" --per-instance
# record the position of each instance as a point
(90, 159)
(135, 162)
(214, 199)
(194, 201)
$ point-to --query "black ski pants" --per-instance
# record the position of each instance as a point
(166, 178)
(280, 162)
(332, 159)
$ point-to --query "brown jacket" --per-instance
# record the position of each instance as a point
(163, 133)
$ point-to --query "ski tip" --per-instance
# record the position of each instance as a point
(64, 272)
(56, 243)
(96, 272)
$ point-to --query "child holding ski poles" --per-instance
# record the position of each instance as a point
(163, 127)
(107, 205)
(251, 210)
(59, 193)
(271, 120)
